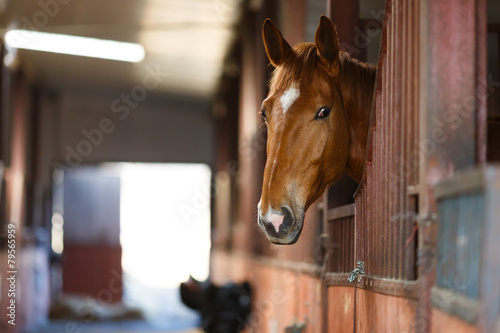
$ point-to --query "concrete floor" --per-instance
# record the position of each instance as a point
(114, 327)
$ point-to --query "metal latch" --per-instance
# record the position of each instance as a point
(296, 328)
(360, 270)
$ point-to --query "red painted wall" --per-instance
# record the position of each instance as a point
(94, 271)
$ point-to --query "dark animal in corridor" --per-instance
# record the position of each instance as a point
(223, 309)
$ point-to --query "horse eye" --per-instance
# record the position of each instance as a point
(263, 113)
(323, 113)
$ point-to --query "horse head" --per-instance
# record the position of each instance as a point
(309, 131)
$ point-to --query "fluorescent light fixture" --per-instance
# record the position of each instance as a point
(74, 45)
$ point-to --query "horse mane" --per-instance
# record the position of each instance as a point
(361, 79)
(357, 78)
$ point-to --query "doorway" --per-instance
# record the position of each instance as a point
(165, 234)
(152, 218)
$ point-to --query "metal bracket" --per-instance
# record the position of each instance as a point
(360, 270)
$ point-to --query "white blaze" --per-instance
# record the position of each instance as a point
(289, 97)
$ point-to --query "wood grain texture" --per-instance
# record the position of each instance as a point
(340, 309)
(381, 313)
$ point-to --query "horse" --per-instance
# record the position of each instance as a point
(317, 114)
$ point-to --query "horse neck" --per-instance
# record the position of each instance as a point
(357, 81)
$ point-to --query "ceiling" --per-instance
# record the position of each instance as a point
(184, 40)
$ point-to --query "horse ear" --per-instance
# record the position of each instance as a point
(327, 41)
(277, 48)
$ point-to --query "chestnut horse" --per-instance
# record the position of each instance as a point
(317, 114)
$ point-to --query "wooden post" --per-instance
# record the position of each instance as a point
(481, 78)
(452, 113)
(453, 72)
(345, 15)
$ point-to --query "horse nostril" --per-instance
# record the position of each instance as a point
(289, 219)
(277, 224)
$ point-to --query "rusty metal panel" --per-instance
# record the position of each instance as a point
(385, 213)
(385, 202)
(340, 249)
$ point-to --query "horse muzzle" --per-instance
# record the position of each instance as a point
(281, 227)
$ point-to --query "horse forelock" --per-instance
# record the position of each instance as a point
(299, 67)
(304, 64)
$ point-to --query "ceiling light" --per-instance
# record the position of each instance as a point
(75, 45)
